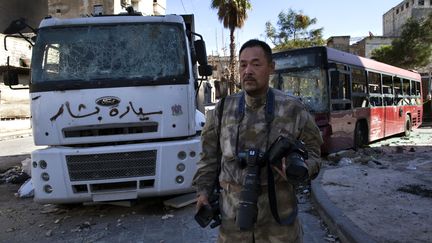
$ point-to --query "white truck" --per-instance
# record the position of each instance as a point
(114, 100)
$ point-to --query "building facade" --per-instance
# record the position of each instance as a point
(395, 18)
(339, 42)
(33, 11)
(81, 8)
(365, 46)
(362, 47)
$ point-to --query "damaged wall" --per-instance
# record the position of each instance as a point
(14, 103)
(32, 10)
(79, 8)
(18, 50)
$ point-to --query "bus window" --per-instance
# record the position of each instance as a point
(415, 88)
(387, 89)
(374, 83)
(341, 91)
(358, 81)
(274, 81)
(398, 90)
(406, 87)
(375, 89)
(359, 88)
(308, 85)
(415, 92)
(406, 92)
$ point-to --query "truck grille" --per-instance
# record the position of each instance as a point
(110, 129)
(111, 165)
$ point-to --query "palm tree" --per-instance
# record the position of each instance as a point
(233, 14)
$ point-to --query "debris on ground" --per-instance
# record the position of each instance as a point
(417, 189)
(26, 189)
(14, 175)
(167, 216)
(26, 166)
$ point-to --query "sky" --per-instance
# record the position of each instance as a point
(338, 17)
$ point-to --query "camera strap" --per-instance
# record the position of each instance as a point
(273, 202)
(218, 148)
(269, 107)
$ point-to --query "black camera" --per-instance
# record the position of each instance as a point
(295, 153)
(207, 213)
(248, 211)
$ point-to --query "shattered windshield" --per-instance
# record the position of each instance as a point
(110, 53)
(307, 84)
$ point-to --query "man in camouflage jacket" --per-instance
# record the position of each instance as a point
(290, 119)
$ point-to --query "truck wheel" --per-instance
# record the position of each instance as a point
(360, 135)
(408, 126)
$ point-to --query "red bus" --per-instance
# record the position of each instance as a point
(355, 100)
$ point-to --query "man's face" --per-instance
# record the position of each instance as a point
(255, 71)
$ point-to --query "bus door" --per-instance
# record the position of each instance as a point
(341, 119)
(377, 109)
(402, 101)
(391, 111)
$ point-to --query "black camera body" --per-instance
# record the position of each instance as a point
(207, 213)
(248, 211)
(295, 153)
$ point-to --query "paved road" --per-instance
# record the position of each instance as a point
(17, 146)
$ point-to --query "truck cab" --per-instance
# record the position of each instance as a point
(114, 100)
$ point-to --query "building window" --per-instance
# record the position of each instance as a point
(397, 11)
(421, 2)
(407, 5)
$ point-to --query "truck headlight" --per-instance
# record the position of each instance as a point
(45, 176)
(43, 164)
(181, 167)
(47, 188)
(179, 179)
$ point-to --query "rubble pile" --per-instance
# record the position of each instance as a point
(14, 175)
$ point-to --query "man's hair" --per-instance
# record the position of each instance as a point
(257, 43)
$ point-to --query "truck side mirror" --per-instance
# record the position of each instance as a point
(205, 70)
(15, 26)
(200, 50)
(10, 78)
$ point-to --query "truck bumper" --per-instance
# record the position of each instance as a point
(112, 173)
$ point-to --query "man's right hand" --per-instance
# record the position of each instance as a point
(201, 201)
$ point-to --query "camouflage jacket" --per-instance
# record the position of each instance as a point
(291, 119)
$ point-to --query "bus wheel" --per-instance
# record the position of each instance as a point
(408, 126)
(360, 135)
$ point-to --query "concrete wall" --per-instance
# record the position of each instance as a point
(18, 50)
(339, 42)
(395, 18)
(32, 10)
(79, 8)
(14, 103)
(368, 44)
